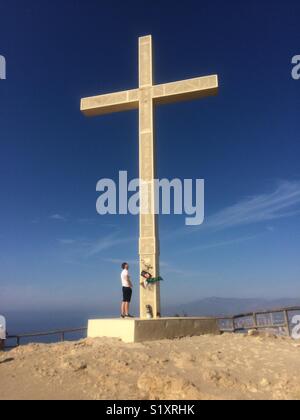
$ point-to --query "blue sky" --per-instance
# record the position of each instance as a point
(55, 251)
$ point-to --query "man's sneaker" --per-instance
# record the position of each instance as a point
(129, 316)
(123, 316)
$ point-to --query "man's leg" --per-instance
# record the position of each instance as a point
(126, 308)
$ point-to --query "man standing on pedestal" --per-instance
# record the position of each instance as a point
(127, 291)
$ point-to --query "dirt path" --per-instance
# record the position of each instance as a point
(207, 367)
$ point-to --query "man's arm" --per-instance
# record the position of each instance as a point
(130, 282)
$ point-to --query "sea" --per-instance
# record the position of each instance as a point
(48, 320)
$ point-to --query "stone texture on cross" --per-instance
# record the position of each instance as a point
(144, 99)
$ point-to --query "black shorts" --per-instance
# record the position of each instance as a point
(127, 294)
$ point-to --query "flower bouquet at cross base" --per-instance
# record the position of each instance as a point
(149, 279)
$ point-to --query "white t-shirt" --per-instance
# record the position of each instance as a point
(125, 278)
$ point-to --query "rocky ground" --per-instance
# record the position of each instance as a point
(207, 367)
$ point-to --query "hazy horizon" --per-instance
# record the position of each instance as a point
(46, 319)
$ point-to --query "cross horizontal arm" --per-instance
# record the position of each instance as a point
(113, 102)
(186, 90)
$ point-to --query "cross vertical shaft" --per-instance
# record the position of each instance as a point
(145, 98)
(149, 240)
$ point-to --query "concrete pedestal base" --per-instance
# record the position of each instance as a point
(138, 330)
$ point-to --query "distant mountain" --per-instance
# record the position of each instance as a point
(228, 306)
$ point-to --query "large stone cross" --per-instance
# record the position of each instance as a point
(144, 99)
